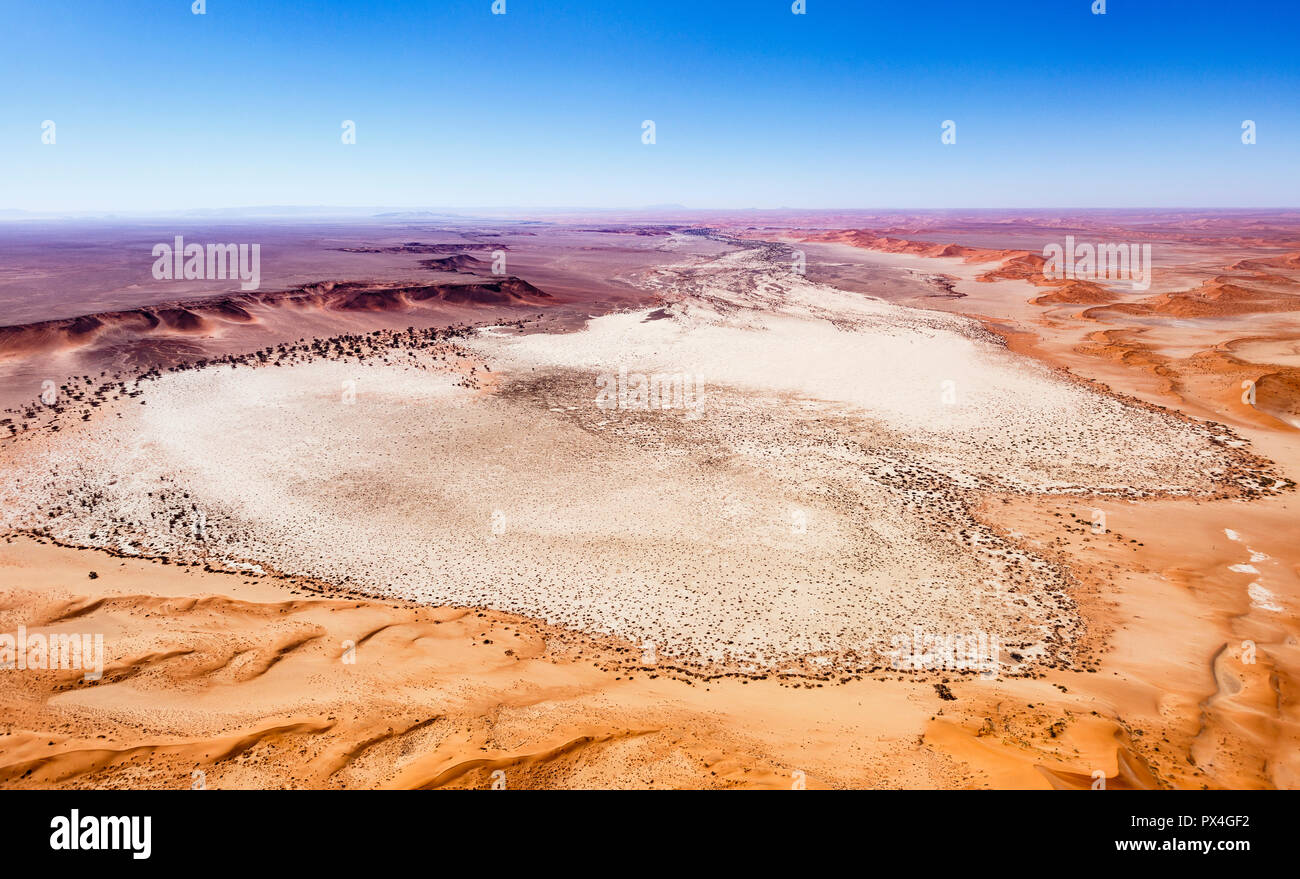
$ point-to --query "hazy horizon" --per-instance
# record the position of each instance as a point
(548, 213)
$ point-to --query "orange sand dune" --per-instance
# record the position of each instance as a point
(1218, 297)
(1278, 394)
(1075, 293)
(234, 681)
(1021, 266)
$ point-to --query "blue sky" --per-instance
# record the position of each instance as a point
(159, 109)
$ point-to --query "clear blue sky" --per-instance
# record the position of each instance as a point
(157, 108)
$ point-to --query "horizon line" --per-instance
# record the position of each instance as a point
(524, 212)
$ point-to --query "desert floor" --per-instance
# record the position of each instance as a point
(468, 574)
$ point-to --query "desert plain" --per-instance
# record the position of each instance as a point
(733, 500)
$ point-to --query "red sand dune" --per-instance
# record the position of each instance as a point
(1224, 295)
(1014, 265)
(201, 316)
(870, 240)
(1285, 261)
(456, 263)
(365, 296)
(424, 247)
